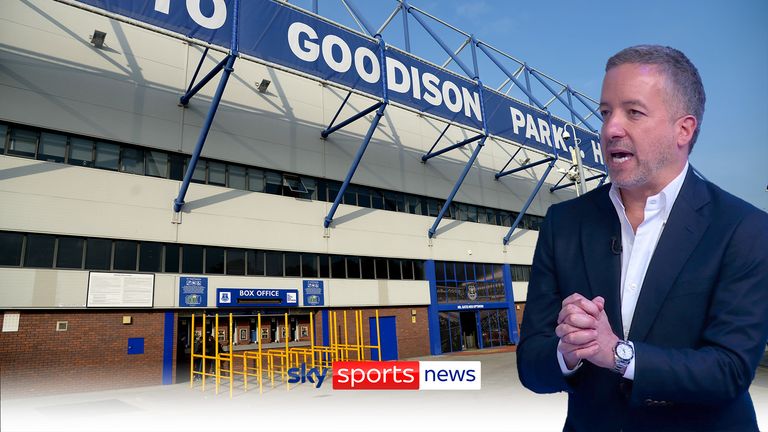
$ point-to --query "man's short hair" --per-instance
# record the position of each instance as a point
(687, 88)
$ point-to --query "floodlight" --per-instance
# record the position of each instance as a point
(264, 85)
(98, 38)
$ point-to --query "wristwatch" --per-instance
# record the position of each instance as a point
(623, 353)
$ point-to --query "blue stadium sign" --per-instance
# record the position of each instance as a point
(257, 297)
(304, 42)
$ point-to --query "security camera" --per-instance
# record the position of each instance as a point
(566, 135)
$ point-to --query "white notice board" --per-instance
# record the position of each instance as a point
(120, 290)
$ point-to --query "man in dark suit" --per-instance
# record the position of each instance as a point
(648, 297)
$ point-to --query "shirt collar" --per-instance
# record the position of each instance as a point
(663, 201)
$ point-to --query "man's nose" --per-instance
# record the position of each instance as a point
(613, 128)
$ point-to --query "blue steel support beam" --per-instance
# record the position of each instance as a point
(184, 99)
(467, 167)
(440, 137)
(556, 187)
(456, 187)
(331, 129)
(585, 103)
(439, 41)
(360, 18)
(178, 203)
(560, 98)
(371, 129)
(558, 182)
(511, 159)
(406, 33)
(529, 201)
(511, 76)
(341, 107)
(430, 155)
(538, 185)
(522, 168)
(197, 70)
(228, 67)
(355, 163)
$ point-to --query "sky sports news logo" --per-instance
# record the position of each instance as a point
(394, 375)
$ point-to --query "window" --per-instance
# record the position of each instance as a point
(214, 260)
(353, 267)
(368, 268)
(69, 253)
(413, 204)
(150, 257)
(80, 152)
(311, 185)
(125, 255)
(274, 183)
(236, 177)
(255, 180)
(217, 173)
(157, 164)
(3, 133)
(235, 262)
(23, 143)
(418, 270)
(338, 269)
(294, 184)
(98, 254)
(394, 269)
(198, 175)
(39, 251)
(10, 248)
(381, 268)
(292, 264)
(191, 259)
(377, 200)
(107, 156)
(53, 147)
(363, 197)
(132, 161)
(274, 265)
(172, 255)
(255, 263)
(325, 266)
(309, 265)
(408, 269)
(176, 167)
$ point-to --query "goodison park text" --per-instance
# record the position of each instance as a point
(305, 45)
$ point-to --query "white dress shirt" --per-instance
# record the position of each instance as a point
(637, 251)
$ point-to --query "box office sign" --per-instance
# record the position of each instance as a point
(256, 297)
(313, 293)
(193, 291)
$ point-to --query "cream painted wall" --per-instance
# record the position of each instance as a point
(45, 288)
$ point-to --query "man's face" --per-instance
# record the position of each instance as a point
(638, 136)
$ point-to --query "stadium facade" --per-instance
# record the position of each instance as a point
(99, 275)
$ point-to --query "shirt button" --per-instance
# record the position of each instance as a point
(633, 286)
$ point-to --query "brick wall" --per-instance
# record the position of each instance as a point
(412, 338)
(90, 355)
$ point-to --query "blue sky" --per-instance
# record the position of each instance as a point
(570, 41)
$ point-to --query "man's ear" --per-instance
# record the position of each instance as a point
(686, 126)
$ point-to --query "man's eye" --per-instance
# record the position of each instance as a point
(635, 113)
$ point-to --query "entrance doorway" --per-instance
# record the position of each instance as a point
(183, 345)
(468, 322)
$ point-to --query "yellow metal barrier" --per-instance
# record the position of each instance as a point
(276, 362)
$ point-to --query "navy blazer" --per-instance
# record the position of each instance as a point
(699, 328)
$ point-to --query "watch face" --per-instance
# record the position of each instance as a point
(624, 351)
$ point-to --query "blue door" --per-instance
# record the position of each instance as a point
(388, 330)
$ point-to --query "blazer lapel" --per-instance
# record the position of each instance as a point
(603, 266)
(683, 231)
